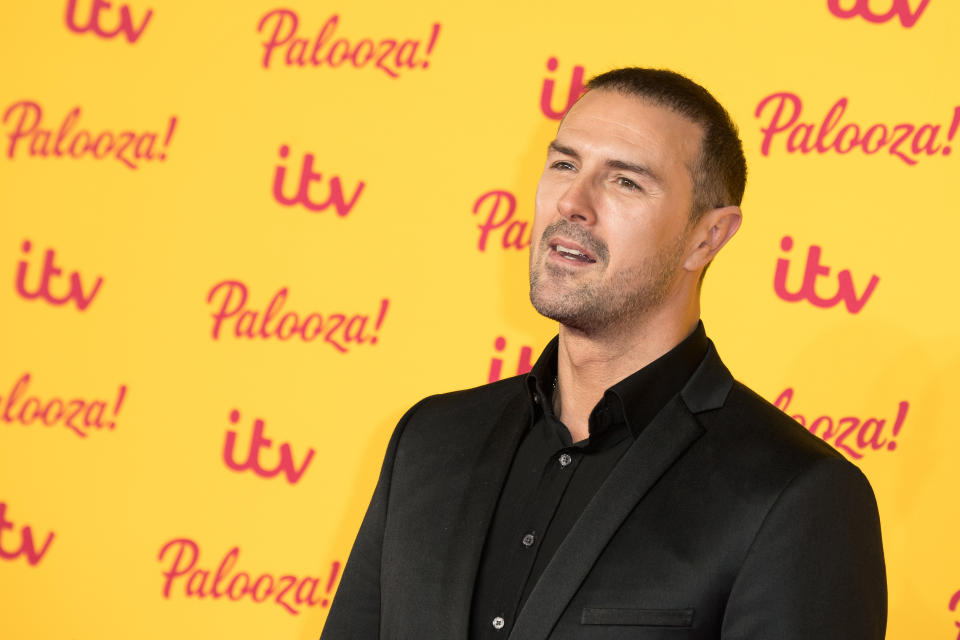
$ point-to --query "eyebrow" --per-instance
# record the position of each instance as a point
(613, 164)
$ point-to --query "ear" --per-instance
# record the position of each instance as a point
(711, 232)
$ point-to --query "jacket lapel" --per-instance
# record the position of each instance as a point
(477, 510)
(657, 447)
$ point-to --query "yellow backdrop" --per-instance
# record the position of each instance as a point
(238, 240)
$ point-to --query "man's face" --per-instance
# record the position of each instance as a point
(612, 212)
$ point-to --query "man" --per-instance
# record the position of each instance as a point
(627, 487)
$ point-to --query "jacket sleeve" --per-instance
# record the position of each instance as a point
(815, 568)
(355, 611)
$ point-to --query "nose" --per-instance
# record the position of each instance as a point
(576, 204)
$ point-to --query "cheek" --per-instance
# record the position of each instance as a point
(647, 226)
(541, 212)
(542, 198)
(536, 233)
(629, 244)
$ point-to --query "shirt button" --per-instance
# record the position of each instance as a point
(536, 398)
(528, 540)
(498, 623)
(565, 459)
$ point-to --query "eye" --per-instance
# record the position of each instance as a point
(562, 165)
(628, 183)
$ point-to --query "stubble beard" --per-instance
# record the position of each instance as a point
(592, 307)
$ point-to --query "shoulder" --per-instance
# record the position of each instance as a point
(763, 451)
(758, 423)
(745, 430)
(464, 417)
(476, 402)
(773, 476)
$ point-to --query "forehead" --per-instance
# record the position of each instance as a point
(613, 124)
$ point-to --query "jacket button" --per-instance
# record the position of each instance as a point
(498, 623)
(565, 459)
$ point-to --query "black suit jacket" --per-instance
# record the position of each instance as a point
(725, 519)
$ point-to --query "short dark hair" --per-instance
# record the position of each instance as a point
(720, 170)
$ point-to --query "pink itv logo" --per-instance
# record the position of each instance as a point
(813, 271)
(862, 8)
(954, 603)
(95, 22)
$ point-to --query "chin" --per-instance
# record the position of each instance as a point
(557, 307)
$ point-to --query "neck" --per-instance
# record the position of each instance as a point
(590, 363)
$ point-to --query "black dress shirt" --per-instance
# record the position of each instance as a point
(551, 478)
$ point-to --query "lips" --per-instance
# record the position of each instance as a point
(570, 251)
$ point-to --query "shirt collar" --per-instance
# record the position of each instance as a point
(637, 398)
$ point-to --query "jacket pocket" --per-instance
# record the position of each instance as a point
(637, 617)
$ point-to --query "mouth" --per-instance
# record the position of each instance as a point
(570, 251)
